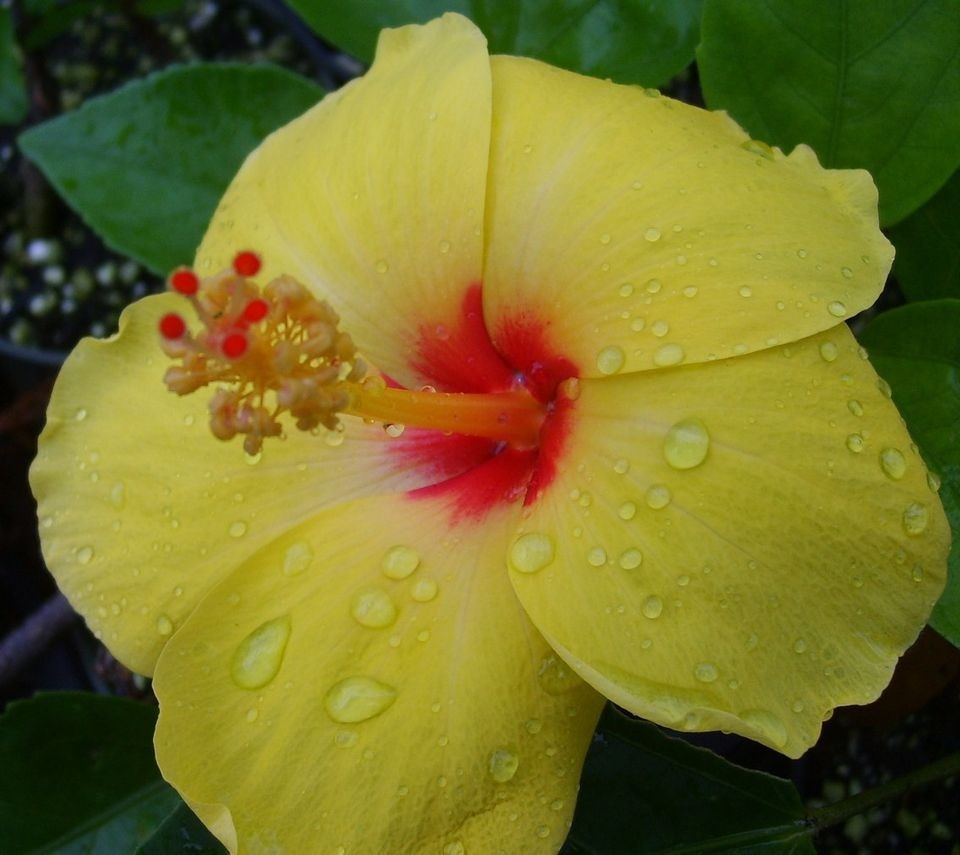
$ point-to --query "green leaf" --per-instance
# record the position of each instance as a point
(146, 165)
(79, 775)
(928, 247)
(866, 84)
(643, 791)
(916, 349)
(13, 92)
(630, 41)
(182, 832)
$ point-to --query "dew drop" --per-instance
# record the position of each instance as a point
(611, 359)
(846, 272)
(686, 444)
(382, 266)
(503, 765)
(658, 496)
(555, 677)
(837, 309)
(531, 552)
(373, 608)
(652, 607)
(637, 324)
(117, 495)
(625, 290)
(893, 463)
(252, 715)
(238, 528)
(424, 590)
(855, 443)
(668, 354)
(884, 388)
(653, 286)
(621, 466)
(746, 291)
(346, 738)
(357, 699)
(399, 562)
(257, 658)
(933, 482)
(84, 554)
(917, 573)
(444, 246)
(706, 672)
(394, 430)
(691, 291)
(915, 519)
(597, 556)
(758, 147)
(164, 625)
(659, 328)
(630, 559)
(627, 511)
(604, 239)
(652, 234)
(543, 831)
(455, 847)
(297, 558)
(855, 407)
(799, 646)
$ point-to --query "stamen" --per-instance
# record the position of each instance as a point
(279, 351)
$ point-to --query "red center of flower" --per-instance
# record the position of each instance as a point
(477, 474)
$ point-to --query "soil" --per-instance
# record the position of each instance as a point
(60, 285)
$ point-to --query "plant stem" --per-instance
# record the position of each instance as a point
(31, 638)
(837, 812)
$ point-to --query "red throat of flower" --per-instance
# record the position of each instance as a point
(277, 351)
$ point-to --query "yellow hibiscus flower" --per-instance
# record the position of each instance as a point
(399, 641)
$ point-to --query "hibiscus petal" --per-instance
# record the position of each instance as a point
(391, 696)
(137, 524)
(741, 545)
(637, 231)
(374, 198)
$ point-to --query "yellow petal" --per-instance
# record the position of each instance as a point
(142, 510)
(392, 697)
(637, 231)
(741, 545)
(374, 198)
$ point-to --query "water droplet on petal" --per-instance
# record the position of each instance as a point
(164, 625)
(658, 496)
(373, 608)
(257, 658)
(668, 354)
(597, 556)
(621, 466)
(652, 234)
(691, 291)
(855, 443)
(631, 559)
(846, 272)
(915, 519)
(424, 590)
(357, 699)
(917, 573)
(555, 677)
(686, 444)
(652, 607)
(653, 286)
(659, 328)
(933, 482)
(884, 388)
(531, 552)
(84, 554)
(399, 562)
(829, 351)
(503, 765)
(799, 646)
(625, 290)
(382, 266)
(346, 738)
(611, 359)
(837, 309)
(706, 672)
(543, 831)
(746, 291)
(455, 847)
(627, 511)
(855, 407)
(297, 558)
(238, 528)
(533, 726)
(893, 463)
(117, 495)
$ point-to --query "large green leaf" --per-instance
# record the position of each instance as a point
(643, 791)
(78, 775)
(146, 165)
(928, 246)
(13, 93)
(630, 41)
(867, 84)
(182, 832)
(917, 351)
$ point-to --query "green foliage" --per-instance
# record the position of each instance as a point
(146, 165)
(866, 84)
(182, 832)
(79, 775)
(630, 41)
(13, 93)
(928, 246)
(643, 791)
(917, 350)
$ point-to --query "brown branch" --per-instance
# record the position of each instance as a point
(33, 636)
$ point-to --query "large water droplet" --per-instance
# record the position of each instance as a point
(660, 328)
(503, 765)
(855, 443)
(611, 359)
(893, 463)
(424, 590)
(706, 672)
(597, 556)
(630, 559)
(373, 608)
(257, 658)
(399, 562)
(627, 511)
(117, 496)
(555, 677)
(837, 309)
(668, 354)
(686, 444)
(652, 607)
(84, 555)
(652, 234)
(658, 496)
(357, 699)
(829, 351)
(915, 519)
(164, 625)
(855, 407)
(531, 552)
(238, 528)
(297, 558)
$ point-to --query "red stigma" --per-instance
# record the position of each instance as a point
(256, 310)
(172, 326)
(234, 345)
(246, 263)
(184, 281)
